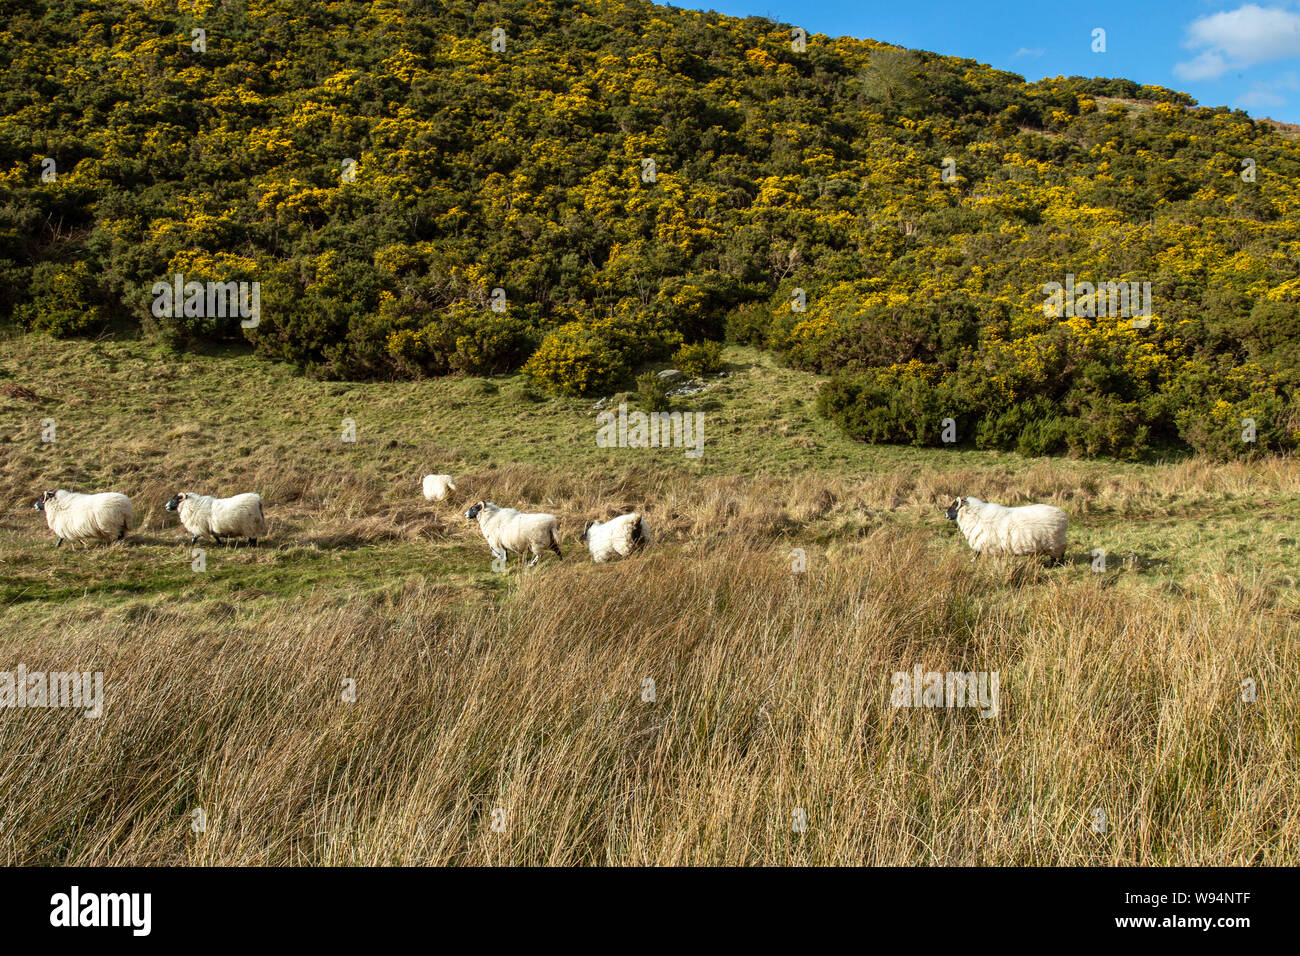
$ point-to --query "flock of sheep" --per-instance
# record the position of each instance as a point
(109, 516)
(988, 528)
(510, 531)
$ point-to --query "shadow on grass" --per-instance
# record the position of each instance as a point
(1116, 561)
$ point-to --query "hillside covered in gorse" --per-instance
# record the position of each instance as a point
(580, 188)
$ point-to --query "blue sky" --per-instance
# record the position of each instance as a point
(1242, 55)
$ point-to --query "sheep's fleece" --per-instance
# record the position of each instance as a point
(77, 517)
(438, 487)
(616, 538)
(239, 516)
(507, 529)
(995, 529)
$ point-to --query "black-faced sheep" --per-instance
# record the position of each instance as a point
(996, 529)
(77, 517)
(507, 530)
(239, 516)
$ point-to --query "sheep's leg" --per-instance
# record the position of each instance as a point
(121, 534)
(194, 540)
(60, 544)
(253, 542)
(534, 561)
(217, 539)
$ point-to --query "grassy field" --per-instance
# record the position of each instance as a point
(502, 718)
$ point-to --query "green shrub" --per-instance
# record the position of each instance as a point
(465, 338)
(491, 343)
(65, 300)
(902, 404)
(584, 358)
(1107, 425)
(312, 320)
(748, 324)
(1212, 406)
(698, 359)
(576, 360)
(1032, 427)
(652, 393)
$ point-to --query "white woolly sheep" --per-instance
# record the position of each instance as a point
(239, 516)
(996, 529)
(438, 487)
(616, 538)
(77, 517)
(507, 529)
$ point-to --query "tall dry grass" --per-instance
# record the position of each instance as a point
(772, 695)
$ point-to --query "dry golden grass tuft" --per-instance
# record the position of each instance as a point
(771, 695)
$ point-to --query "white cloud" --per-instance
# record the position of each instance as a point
(1025, 51)
(1239, 38)
(1207, 65)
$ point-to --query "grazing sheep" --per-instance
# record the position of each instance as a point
(237, 517)
(438, 487)
(78, 517)
(615, 538)
(507, 529)
(995, 529)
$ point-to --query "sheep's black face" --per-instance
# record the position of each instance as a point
(473, 512)
(174, 503)
(951, 513)
(586, 530)
(45, 496)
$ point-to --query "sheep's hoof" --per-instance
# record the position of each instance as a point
(59, 544)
